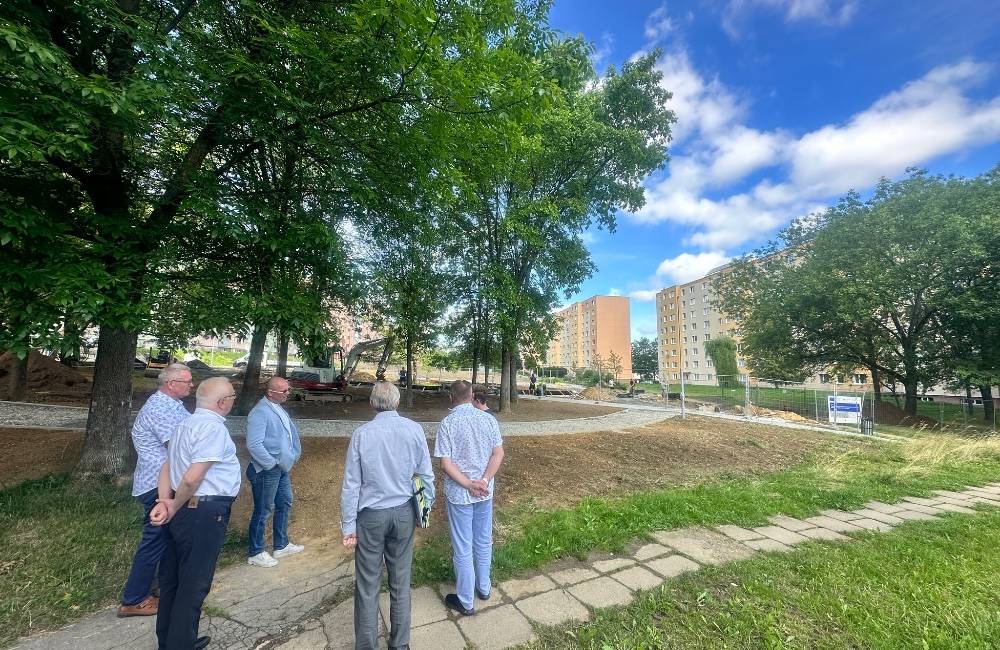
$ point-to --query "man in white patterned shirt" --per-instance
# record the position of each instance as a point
(154, 425)
(471, 450)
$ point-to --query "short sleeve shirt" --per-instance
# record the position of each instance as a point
(153, 427)
(467, 436)
(203, 437)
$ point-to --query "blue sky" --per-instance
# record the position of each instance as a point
(783, 106)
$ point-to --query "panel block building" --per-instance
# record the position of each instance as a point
(599, 325)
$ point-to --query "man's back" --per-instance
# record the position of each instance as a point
(467, 436)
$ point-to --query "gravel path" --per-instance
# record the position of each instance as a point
(22, 414)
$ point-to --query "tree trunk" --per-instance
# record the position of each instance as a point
(282, 370)
(987, 392)
(967, 407)
(17, 381)
(409, 371)
(106, 450)
(504, 379)
(910, 402)
(876, 384)
(512, 353)
(475, 352)
(250, 391)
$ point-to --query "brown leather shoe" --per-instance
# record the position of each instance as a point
(147, 607)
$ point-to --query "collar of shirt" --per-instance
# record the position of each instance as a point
(463, 407)
(386, 414)
(163, 394)
(205, 411)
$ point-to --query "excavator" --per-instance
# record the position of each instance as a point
(323, 377)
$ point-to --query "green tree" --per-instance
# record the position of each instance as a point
(645, 360)
(722, 352)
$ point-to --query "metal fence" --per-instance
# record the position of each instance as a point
(847, 406)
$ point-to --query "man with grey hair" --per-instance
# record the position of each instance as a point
(377, 516)
(471, 450)
(155, 423)
(197, 487)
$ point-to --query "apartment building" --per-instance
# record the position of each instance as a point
(686, 317)
(599, 325)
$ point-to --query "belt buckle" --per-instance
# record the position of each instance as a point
(193, 502)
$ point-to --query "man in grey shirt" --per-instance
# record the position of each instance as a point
(377, 516)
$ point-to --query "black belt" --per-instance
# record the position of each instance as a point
(195, 500)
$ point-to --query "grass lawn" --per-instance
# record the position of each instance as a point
(883, 471)
(67, 550)
(925, 585)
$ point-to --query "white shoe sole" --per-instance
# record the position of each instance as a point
(283, 553)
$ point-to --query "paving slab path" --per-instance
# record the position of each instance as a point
(307, 603)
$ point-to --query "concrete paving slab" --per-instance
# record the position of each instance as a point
(824, 534)
(553, 607)
(916, 507)
(605, 566)
(703, 545)
(951, 507)
(308, 640)
(868, 513)
(954, 501)
(425, 607)
(497, 628)
(979, 494)
(637, 578)
(339, 625)
(573, 575)
(779, 534)
(922, 501)
(995, 489)
(738, 533)
(443, 635)
(649, 551)
(768, 544)
(839, 514)
(830, 523)
(789, 523)
(602, 592)
(668, 567)
(952, 495)
(878, 506)
(913, 515)
(518, 589)
(873, 524)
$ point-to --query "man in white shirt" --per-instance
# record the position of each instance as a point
(154, 425)
(274, 446)
(197, 487)
(471, 450)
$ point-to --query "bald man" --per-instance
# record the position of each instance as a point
(274, 446)
(198, 484)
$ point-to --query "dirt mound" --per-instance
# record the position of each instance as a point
(363, 376)
(47, 378)
(596, 393)
(789, 416)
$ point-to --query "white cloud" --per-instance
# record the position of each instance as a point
(926, 118)
(614, 291)
(602, 50)
(834, 13)
(644, 327)
(686, 267)
(643, 295)
(658, 24)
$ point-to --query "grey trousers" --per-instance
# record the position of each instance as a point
(383, 535)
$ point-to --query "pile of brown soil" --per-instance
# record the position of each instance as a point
(362, 376)
(46, 378)
(597, 393)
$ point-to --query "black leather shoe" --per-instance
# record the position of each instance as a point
(452, 601)
(202, 642)
(481, 596)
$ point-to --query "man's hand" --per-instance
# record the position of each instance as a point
(350, 541)
(478, 488)
(162, 512)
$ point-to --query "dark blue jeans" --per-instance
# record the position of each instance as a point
(147, 555)
(272, 494)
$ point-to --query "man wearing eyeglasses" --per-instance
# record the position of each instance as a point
(154, 425)
(197, 486)
(274, 446)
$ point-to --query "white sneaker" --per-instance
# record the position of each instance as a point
(291, 549)
(262, 559)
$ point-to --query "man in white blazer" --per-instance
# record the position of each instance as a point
(274, 446)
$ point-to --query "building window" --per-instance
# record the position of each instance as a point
(673, 316)
(708, 376)
(694, 339)
(708, 337)
(708, 364)
(739, 347)
(740, 363)
(696, 375)
(684, 328)
(687, 365)
(673, 340)
(695, 363)
(675, 365)
(720, 321)
(673, 353)
(673, 328)
(685, 339)
(704, 312)
(694, 326)
(694, 350)
(860, 378)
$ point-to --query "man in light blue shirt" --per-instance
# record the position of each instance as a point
(471, 450)
(274, 446)
(378, 516)
(154, 425)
